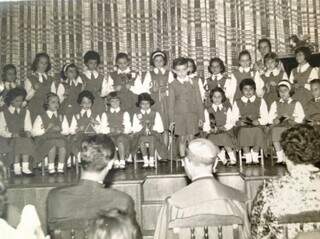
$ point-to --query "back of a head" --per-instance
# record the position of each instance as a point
(113, 224)
(96, 152)
(202, 152)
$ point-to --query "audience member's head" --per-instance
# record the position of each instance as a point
(301, 145)
(201, 156)
(113, 224)
(97, 153)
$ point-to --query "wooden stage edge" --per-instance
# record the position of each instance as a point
(147, 187)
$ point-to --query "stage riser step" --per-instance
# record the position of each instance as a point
(150, 214)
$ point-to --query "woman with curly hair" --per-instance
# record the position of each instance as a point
(295, 193)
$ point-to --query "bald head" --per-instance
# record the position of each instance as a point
(202, 151)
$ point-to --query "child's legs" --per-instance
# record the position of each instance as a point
(121, 150)
(277, 146)
(246, 149)
(62, 152)
(17, 159)
(228, 149)
(255, 149)
(52, 154)
(25, 158)
(182, 145)
(166, 137)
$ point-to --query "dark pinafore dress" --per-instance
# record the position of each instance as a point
(48, 140)
(211, 84)
(148, 120)
(159, 93)
(15, 124)
(127, 98)
(271, 92)
(95, 87)
(250, 135)
(301, 94)
(115, 122)
(41, 90)
(83, 122)
(239, 77)
(225, 138)
(70, 106)
(283, 109)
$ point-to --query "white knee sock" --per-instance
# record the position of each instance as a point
(248, 157)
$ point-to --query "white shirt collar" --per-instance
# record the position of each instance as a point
(219, 76)
(304, 67)
(145, 111)
(10, 85)
(117, 110)
(289, 100)
(275, 72)
(51, 113)
(126, 71)
(245, 69)
(251, 99)
(13, 109)
(216, 107)
(157, 70)
(186, 79)
(76, 81)
(88, 112)
(42, 77)
(88, 74)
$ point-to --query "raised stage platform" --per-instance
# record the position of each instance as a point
(147, 187)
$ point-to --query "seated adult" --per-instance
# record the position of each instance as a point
(89, 196)
(113, 224)
(205, 195)
(295, 193)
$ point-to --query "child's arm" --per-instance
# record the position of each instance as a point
(29, 89)
(171, 77)
(235, 113)
(231, 88)
(171, 105)
(107, 86)
(65, 129)
(263, 120)
(313, 75)
(73, 126)
(127, 123)
(291, 78)
(96, 123)
(137, 88)
(199, 106)
(136, 126)
(4, 132)
(147, 83)
(284, 76)
(104, 128)
(61, 92)
(259, 84)
(229, 122)
(206, 124)
(298, 113)
(273, 114)
(201, 88)
(38, 127)
(28, 124)
(158, 124)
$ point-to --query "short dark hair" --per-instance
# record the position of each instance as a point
(247, 81)
(14, 93)
(5, 69)
(271, 55)
(193, 65)
(179, 62)
(221, 91)
(301, 144)
(156, 54)
(91, 55)
(87, 94)
(315, 81)
(96, 152)
(219, 61)
(306, 51)
(65, 69)
(114, 224)
(243, 53)
(266, 40)
(47, 98)
(36, 60)
(122, 55)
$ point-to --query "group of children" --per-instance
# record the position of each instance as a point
(45, 117)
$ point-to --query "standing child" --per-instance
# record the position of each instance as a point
(302, 75)
(272, 75)
(49, 130)
(127, 83)
(250, 113)
(245, 71)
(157, 83)
(69, 91)
(94, 81)
(147, 127)
(185, 106)
(15, 124)
(312, 109)
(118, 127)
(86, 122)
(284, 113)
(218, 124)
(220, 79)
(39, 84)
(193, 75)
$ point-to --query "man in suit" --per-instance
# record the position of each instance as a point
(205, 195)
(89, 196)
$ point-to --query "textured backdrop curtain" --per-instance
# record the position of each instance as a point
(201, 29)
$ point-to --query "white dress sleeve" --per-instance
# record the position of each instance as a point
(158, 125)
(4, 132)
(127, 123)
(298, 113)
(29, 89)
(38, 127)
(27, 122)
(264, 119)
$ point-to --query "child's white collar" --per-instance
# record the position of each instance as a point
(246, 100)
(217, 107)
(157, 70)
(88, 73)
(245, 69)
(218, 76)
(145, 111)
(13, 109)
(115, 110)
(276, 71)
(51, 113)
(126, 71)
(304, 67)
(288, 101)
